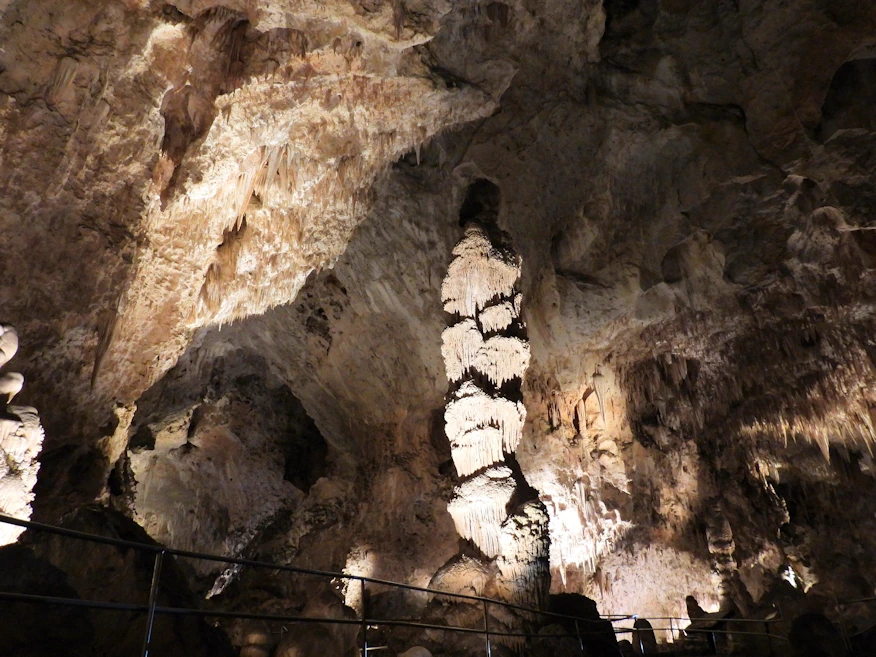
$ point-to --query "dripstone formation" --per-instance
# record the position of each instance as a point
(21, 438)
(226, 225)
(486, 355)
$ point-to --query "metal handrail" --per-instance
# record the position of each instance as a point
(189, 554)
(780, 619)
(855, 601)
(154, 608)
(215, 613)
(628, 630)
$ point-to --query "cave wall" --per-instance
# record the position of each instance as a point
(226, 229)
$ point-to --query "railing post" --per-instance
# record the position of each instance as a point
(637, 633)
(846, 642)
(364, 622)
(766, 628)
(580, 640)
(153, 600)
(487, 628)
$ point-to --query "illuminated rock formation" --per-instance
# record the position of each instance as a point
(484, 417)
(8, 343)
(480, 272)
(225, 228)
(481, 427)
(11, 384)
(21, 438)
(719, 535)
(480, 506)
(524, 549)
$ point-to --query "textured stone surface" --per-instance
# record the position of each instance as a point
(21, 439)
(689, 185)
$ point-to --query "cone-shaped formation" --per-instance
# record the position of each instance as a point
(486, 359)
(21, 438)
(476, 449)
(500, 358)
(503, 359)
(460, 346)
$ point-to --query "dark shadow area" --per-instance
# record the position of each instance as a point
(306, 453)
(624, 18)
(597, 636)
(45, 564)
(481, 202)
(851, 99)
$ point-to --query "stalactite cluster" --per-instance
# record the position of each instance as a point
(486, 356)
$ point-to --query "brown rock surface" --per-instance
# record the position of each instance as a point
(225, 228)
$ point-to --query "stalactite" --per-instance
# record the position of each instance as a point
(476, 449)
(584, 529)
(600, 385)
(472, 408)
(460, 345)
(62, 77)
(503, 359)
(500, 358)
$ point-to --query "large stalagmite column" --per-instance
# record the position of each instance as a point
(486, 355)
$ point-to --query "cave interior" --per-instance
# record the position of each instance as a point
(567, 305)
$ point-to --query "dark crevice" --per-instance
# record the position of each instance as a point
(142, 440)
(481, 203)
(306, 455)
(850, 100)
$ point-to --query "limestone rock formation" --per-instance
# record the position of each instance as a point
(483, 421)
(21, 439)
(482, 427)
(524, 555)
(226, 225)
(8, 343)
(719, 534)
(480, 506)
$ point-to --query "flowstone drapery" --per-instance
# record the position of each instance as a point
(486, 355)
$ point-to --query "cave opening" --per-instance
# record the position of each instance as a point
(306, 453)
(850, 99)
(482, 199)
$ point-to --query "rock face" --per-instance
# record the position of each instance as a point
(225, 231)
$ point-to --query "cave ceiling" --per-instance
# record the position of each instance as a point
(226, 225)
